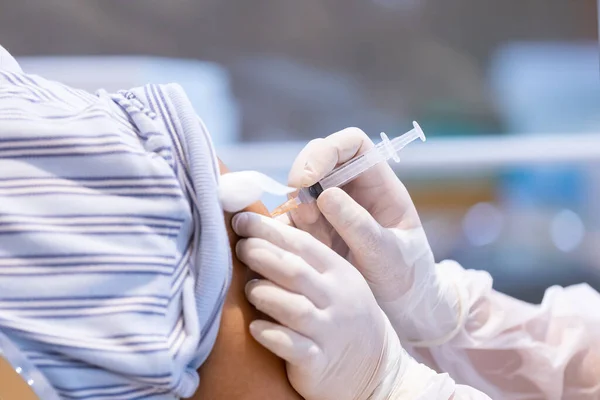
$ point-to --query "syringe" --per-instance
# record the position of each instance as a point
(346, 172)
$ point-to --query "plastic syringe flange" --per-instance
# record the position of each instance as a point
(389, 148)
(419, 131)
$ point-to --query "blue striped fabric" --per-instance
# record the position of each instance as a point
(114, 258)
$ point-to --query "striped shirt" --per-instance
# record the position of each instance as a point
(114, 258)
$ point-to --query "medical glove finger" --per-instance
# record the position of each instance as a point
(319, 228)
(289, 309)
(305, 214)
(302, 174)
(285, 237)
(354, 224)
(285, 219)
(321, 156)
(282, 268)
(286, 343)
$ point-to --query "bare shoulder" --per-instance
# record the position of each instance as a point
(238, 367)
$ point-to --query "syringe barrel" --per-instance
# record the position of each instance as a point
(350, 170)
(309, 194)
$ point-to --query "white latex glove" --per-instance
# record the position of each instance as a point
(336, 341)
(374, 225)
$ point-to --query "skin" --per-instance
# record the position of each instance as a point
(11, 384)
(238, 367)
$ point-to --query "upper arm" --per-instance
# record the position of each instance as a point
(238, 367)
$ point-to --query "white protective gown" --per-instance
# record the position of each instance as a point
(511, 349)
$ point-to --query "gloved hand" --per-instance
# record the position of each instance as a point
(336, 341)
(374, 225)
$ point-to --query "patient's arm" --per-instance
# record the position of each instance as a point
(238, 368)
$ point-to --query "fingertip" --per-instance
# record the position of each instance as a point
(238, 247)
(310, 177)
(332, 191)
(314, 161)
(259, 331)
(281, 341)
(265, 332)
(285, 343)
(332, 200)
(238, 221)
(295, 177)
(350, 220)
(255, 328)
(250, 285)
(247, 224)
(304, 177)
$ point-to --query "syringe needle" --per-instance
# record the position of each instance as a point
(286, 207)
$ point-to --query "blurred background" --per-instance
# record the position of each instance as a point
(508, 93)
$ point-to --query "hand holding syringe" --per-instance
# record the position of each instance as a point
(346, 172)
(237, 190)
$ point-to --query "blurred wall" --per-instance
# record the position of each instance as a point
(407, 58)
